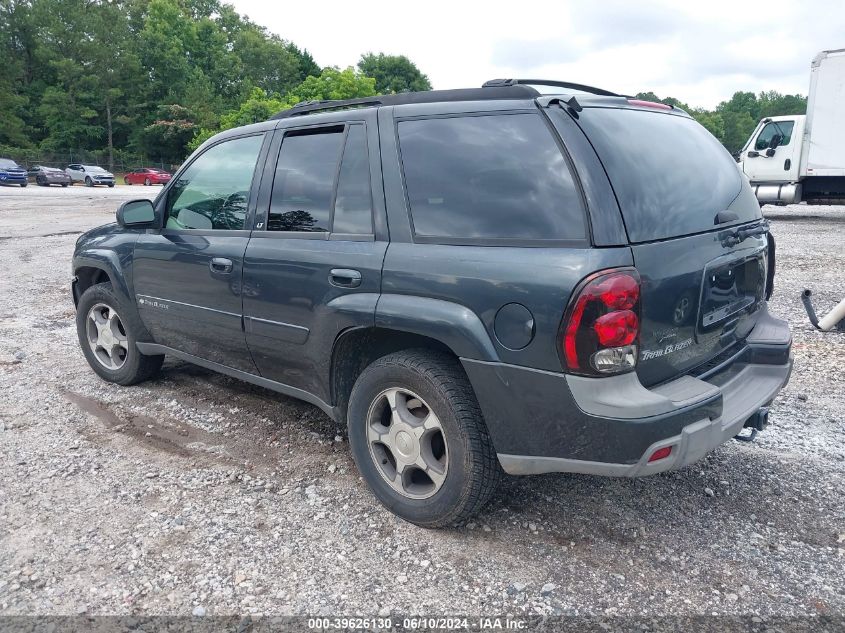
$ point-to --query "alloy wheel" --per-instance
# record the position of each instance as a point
(107, 336)
(407, 443)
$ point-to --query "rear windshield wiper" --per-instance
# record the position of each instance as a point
(738, 236)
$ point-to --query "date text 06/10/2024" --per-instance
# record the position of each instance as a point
(418, 623)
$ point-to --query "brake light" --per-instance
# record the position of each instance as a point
(602, 325)
(649, 104)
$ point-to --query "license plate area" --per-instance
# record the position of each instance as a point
(731, 289)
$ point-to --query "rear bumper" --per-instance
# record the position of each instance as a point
(543, 422)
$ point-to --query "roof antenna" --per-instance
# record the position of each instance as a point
(574, 105)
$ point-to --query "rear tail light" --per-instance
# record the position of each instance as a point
(602, 324)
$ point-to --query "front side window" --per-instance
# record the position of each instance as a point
(772, 129)
(493, 177)
(213, 192)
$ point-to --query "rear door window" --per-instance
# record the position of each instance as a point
(353, 207)
(304, 182)
(670, 175)
(490, 178)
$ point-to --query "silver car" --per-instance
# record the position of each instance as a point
(89, 174)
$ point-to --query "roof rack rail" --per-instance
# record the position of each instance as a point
(497, 83)
(307, 107)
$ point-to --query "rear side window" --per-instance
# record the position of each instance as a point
(493, 177)
(670, 175)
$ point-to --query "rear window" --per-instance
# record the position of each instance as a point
(488, 178)
(670, 175)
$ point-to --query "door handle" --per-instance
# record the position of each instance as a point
(345, 277)
(221, 265)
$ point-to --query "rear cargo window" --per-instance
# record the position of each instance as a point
(492, 177)
(670, 175)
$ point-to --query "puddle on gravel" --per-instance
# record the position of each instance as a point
(182, 440)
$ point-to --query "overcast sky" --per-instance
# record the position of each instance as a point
(699, 52)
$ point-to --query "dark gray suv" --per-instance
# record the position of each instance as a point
(475, 281)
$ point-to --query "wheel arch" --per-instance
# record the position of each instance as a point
(94, 267)
(356, 348)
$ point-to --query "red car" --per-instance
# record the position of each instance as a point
(147, 176)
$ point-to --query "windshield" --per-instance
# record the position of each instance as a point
(5, 163)
(670, 175)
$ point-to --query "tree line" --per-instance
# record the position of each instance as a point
(149, 77)
(733, 121)
(154, 78)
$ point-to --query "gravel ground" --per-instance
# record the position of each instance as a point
(196, 493)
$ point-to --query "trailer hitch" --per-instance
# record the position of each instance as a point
(756, 423)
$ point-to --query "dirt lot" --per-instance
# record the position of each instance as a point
(196, 493)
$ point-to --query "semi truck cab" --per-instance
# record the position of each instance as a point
(771, 159)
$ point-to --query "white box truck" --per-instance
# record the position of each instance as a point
(802, 157)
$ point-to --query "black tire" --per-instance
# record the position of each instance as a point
(65, 184)
(24, 184)
(147, 182)
(111, 184)
(126, 181)
(39, 182)
(473, 470)
(88, 182)
(137, 367)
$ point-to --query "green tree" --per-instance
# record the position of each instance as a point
(738, 127)
(333, 83)
(68, 109)
(393, 73)
(166, 138)
(712, 121)
(259, 106)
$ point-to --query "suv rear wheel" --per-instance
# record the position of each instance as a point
(107, 333)
(419, 440)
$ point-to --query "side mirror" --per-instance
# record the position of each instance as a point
(775, 142)
(753, 153)
(770, 152)
(136, 214)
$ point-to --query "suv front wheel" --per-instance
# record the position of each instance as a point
(419, 440)
(107, 334)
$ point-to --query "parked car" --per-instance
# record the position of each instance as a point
(46, 176)
(89, 174)
(147, 176)
(11, 173)
(543, 283)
